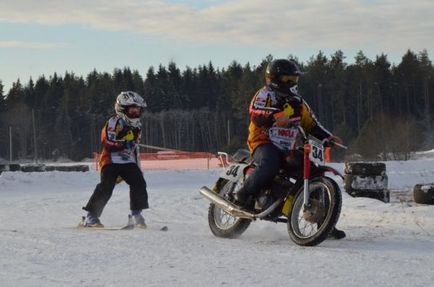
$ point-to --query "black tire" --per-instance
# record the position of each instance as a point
(50, 168)
(240, 224)
(62, 168)
(424, 193)
(332, 202)
(365, 168)
(33, 168)
(348, 180)
(356, 190)
(379, 182)
(14, 167)
(380, 194)
(27, 168)
(81, 168)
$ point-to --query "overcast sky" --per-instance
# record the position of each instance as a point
(47, 36)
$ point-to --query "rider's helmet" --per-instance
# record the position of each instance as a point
(130, 99)
(282, 75)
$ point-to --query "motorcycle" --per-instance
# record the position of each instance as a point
(300, 195)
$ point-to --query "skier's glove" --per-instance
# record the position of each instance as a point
(129, 145)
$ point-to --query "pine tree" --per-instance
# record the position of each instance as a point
(2, 99)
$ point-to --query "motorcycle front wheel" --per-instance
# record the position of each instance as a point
(222, 224)
(310, 227)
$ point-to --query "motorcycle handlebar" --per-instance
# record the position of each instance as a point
(330, 143)
(339, 145)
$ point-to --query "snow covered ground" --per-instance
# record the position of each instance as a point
(386, 245)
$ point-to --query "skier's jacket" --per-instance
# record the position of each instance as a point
(274, 118)
(119, 142)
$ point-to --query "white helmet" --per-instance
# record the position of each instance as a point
(129, 99)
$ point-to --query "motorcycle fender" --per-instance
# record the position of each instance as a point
(234, 172)
(324, 169)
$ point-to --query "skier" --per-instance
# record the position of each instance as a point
(119, 160)
(275, 110)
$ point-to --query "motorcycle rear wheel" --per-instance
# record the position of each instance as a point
(222, 224)
(327, 199)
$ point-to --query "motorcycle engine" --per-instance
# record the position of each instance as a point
(264, 200)
(278, 189)
(280, 186)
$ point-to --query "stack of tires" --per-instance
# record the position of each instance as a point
(424, 193)
(366, 179)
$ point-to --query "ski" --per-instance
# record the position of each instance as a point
(82, 225)
(130, 226)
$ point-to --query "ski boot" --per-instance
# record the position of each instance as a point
(92, 221)
(138, 219)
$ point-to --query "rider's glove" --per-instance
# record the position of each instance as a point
(332, 140)
(281, 119)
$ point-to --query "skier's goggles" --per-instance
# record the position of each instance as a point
(289, 79)
(133, 112)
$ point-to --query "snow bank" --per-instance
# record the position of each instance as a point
(387, 244)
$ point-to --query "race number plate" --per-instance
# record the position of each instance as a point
(234, 172)
(316, 154)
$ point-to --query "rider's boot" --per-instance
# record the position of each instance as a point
(242, 199)
(337, 233)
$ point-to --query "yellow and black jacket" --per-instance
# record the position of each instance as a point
(274, 118)
(119, 142)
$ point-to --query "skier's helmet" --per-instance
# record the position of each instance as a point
(130, 99)
(282, 75)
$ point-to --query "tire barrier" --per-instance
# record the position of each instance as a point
(365, 168)
(365, 179)
(14, 167)
(33, 168)
(43, 167)
(424, 193)
(9, 167)
(77, 167)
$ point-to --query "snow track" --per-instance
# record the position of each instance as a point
(387, 244)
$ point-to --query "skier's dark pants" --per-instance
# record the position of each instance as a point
(132, 175)
(268, 159)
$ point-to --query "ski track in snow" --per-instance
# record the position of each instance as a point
(386, 245)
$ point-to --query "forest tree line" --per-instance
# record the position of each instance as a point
(381, 110)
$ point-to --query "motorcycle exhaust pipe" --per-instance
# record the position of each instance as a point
(231, 208)
(227, 206)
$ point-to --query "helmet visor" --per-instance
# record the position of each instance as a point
(287, 79)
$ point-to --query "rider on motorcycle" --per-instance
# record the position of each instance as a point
(276, 111)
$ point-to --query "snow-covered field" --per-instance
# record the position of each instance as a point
(386, 245)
